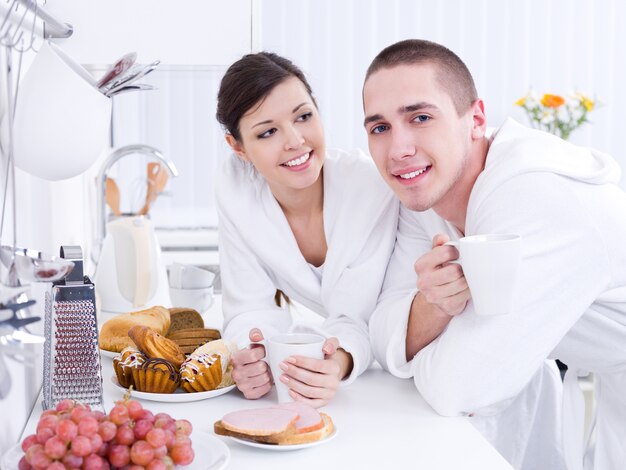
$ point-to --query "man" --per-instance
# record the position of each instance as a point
(426, 131)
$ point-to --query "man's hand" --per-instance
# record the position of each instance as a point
(443, 293)
(250, 371)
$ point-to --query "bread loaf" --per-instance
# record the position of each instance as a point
(184, 318)
(114, 332)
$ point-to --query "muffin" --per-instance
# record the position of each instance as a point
(124, 363)
(201, 372)
(155, 375)
(225, 349)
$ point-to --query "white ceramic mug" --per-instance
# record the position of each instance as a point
(491, 267)
(280, 347)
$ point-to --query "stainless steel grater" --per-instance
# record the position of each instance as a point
(71, 356)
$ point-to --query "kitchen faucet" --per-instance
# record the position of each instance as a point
(101, 184)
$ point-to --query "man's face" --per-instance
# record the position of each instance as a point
(416, 138)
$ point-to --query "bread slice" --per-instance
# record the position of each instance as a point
(183, 318)
(189, 339)
(114, 333)
(311, 436)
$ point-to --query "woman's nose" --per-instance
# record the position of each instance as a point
(294, 139)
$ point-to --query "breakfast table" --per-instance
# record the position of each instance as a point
(381, 422)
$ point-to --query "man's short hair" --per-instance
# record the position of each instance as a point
(452, 74)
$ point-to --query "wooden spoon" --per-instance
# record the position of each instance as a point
(112, 196)
(156, 183)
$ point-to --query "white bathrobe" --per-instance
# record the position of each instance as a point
(571, 305)
(259, 253)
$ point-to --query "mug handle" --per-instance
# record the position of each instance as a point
(455, 244)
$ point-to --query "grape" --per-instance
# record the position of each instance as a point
(182, 455)
(44, 434)
(107, 430)
(142, 427)
(93, 462)
(29, 441)
(171, 426)
(56, 466)
(72, 461)
(156, 465)
(160, 452)
(65, 405)
(96, 442)
(147, 414)
(48, 421)
(136, 467)
(119, 455)
(162, 416)
(135, 410)
(161, 422)
(184, 426)
(99, 415)
(141, 453)
(103, 450)
(23, 464)
(88, 426)
(49, 412)
(67, 430)
(155, 437)
(81, 446)
(119, 414)
(125, 435)
(168, 462)
(39, 459)
(55, 448)
(170, 439)
(181, 440)
(80, 412)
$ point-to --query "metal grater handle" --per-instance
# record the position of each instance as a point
(73, 253)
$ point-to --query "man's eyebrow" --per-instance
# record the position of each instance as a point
(409, 108)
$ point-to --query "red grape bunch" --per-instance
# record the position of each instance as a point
(72, 436)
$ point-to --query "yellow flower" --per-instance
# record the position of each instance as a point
(521, 101)
(552, 101)
(586, 102)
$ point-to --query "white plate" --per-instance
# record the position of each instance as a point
(211, 454)
(179, 396)
(110, 354)
(288, 447)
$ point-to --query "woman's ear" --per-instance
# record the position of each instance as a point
(236, 146)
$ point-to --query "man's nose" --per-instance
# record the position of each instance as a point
(293, 138)
(402, 145)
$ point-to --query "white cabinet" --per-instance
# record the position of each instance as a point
(191, 32)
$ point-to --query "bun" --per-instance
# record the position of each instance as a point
(273, 425)
(153, 345)
(114, 332)
(184, 318)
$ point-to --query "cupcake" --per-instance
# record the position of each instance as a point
(201, 372)
(155, 375)
(123, 364)
(225, 349)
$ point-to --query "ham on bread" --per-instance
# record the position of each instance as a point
(286, 424)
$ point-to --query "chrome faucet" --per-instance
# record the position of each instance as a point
(101, 184)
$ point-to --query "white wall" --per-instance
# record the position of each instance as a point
(557, 46)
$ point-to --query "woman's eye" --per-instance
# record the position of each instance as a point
(379, 129)
(305, 117)
(267, 133)
(421, 118)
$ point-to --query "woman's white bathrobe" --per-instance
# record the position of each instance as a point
(571, 301)
(259, 253)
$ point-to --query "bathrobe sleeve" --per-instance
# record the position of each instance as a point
(248, 291)
(564, 268)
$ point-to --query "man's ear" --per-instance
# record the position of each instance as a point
(479, 119)
(236, 146)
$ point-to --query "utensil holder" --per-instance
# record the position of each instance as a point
(72, 367)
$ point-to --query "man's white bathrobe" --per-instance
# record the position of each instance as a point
(571, 301)
(259, 253)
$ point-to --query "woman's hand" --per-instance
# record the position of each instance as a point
(250, 371)
(315, 381)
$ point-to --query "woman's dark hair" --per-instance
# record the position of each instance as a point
(250, 80)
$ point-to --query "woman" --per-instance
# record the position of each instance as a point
(315, 224)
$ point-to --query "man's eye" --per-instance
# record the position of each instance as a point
(379, 129)
(305, 117)
(267, 133)
(421, 118)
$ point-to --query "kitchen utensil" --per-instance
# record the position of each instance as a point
(117, 69)
(35, 266)
(134, 74)
(157, 179)
(130, 274)
(112, 195)
(135, 87)
(71, 358)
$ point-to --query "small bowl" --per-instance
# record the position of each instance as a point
(198, 299)
(35, 266)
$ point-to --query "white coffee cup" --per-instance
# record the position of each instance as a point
(280, 347)
(491, 267)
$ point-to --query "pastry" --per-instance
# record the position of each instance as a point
(184, 318)
(225, 349)
(155, 375)
(129, 359)
(189, 339)
(201, 373)
(114, 332)
(153, 345)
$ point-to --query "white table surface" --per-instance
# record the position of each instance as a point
(382, 422)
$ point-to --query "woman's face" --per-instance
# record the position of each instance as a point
(283, 137)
